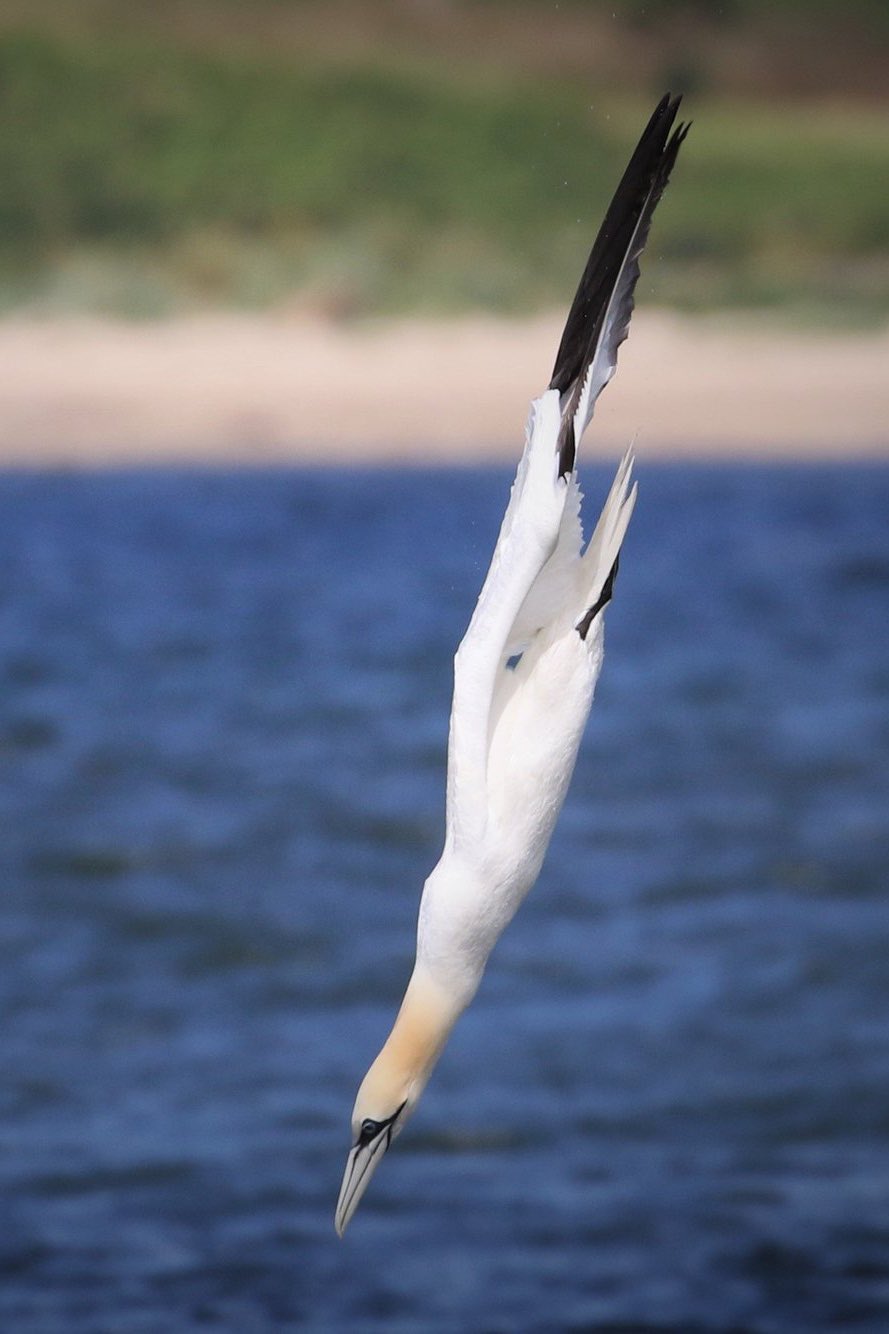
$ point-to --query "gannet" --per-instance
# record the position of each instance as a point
(524, 674)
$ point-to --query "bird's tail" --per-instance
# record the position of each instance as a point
(600, 560)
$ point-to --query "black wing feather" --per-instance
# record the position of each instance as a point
(624, 230)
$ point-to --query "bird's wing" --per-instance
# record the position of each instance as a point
(540, 518)
(599, 317)
(528, 536)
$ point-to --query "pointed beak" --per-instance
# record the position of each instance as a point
(360, 1167)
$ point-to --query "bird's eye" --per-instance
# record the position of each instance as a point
(369, 1130)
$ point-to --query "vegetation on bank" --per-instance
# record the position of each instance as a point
(140, 177)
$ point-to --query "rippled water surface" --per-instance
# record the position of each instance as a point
(222, 730)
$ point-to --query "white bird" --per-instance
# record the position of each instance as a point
(524, 674)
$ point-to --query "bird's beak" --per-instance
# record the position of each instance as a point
(361, 1164)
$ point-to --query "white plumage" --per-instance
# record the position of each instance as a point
(524, 674)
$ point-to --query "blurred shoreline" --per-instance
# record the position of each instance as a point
(239, 389)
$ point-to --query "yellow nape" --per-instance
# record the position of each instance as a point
(400, 1072)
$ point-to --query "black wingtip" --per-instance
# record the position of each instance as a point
(655, 145)
(583, 625)
(633, 203)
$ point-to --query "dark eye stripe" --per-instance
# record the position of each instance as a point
(370, 1129)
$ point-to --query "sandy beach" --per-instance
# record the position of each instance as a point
(239, 388)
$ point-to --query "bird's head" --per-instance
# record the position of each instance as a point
(386, 1098)
(392, 1087)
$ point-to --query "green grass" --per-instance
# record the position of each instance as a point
(140, 178)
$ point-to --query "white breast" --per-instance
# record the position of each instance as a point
(470, 898)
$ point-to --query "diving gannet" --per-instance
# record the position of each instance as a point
(524, 674)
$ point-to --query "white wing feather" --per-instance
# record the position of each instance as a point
(528, 537)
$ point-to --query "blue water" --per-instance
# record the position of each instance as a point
(223, 712)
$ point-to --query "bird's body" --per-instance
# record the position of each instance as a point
(524, 675)
(505, 794)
